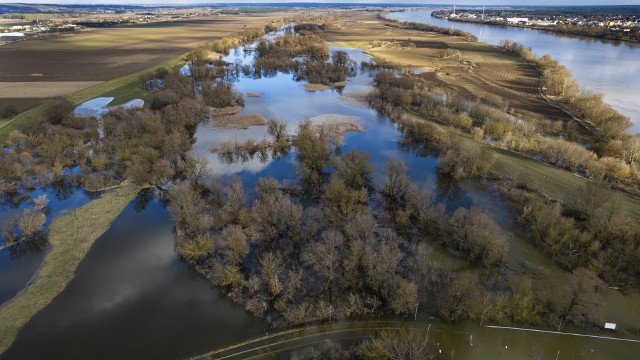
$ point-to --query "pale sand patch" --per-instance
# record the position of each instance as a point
(243, 121)
(42, 89)
(226, 111)
(315, 87)
(336, 125)
(355, 98)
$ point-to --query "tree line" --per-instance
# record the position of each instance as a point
(427, 27)
(588, 232)
(558, 80)
(488, 120)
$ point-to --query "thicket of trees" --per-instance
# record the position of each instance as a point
(406, 344)
(25, 225)
(283, 54)
(490, 121)
(597, 237)
(586, 233)
(336, 245)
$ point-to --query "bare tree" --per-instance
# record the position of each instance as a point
(461, 297)
(591, 198)
(354, 168)
(395, 189)
(580, 302)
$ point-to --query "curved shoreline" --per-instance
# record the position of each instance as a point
(71, 236)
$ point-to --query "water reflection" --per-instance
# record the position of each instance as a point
(19, 262)
(132, 297)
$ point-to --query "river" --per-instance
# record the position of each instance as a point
(133, 297)
(608, 67)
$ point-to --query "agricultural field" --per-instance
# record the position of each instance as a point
(471, 69)
(64, 64)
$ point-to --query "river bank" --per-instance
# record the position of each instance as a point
(613, 73)
(571, 31)
(71, 236)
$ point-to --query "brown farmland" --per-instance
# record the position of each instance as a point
(476, 71)
(93, 56)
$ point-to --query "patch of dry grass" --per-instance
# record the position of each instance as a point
(71, 236)
(336, 125)
(243, 121)
(226, 111)
(315, 87)
(355, 98)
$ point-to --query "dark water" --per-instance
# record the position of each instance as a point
(19, 263)
(607, 67)
(132, 296)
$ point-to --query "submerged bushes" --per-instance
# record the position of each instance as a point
(321, 249)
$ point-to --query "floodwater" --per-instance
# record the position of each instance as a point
(133, 297)
(607, 67)
(19, 263)
(99, 106)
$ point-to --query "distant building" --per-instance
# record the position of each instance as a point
(11, 36)
(543, 22)
(517, 20)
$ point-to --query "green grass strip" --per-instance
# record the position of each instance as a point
(71, 236)
(556, 183)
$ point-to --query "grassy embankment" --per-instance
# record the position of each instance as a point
(71, 236)
(556, 183)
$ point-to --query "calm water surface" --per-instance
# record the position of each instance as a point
(19, 263)
(607, 67)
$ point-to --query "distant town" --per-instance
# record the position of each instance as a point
(617, 25)
(17, 25)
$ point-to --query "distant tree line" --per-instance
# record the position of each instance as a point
(427, 27)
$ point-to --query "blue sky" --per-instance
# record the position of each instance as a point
(460, 2)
